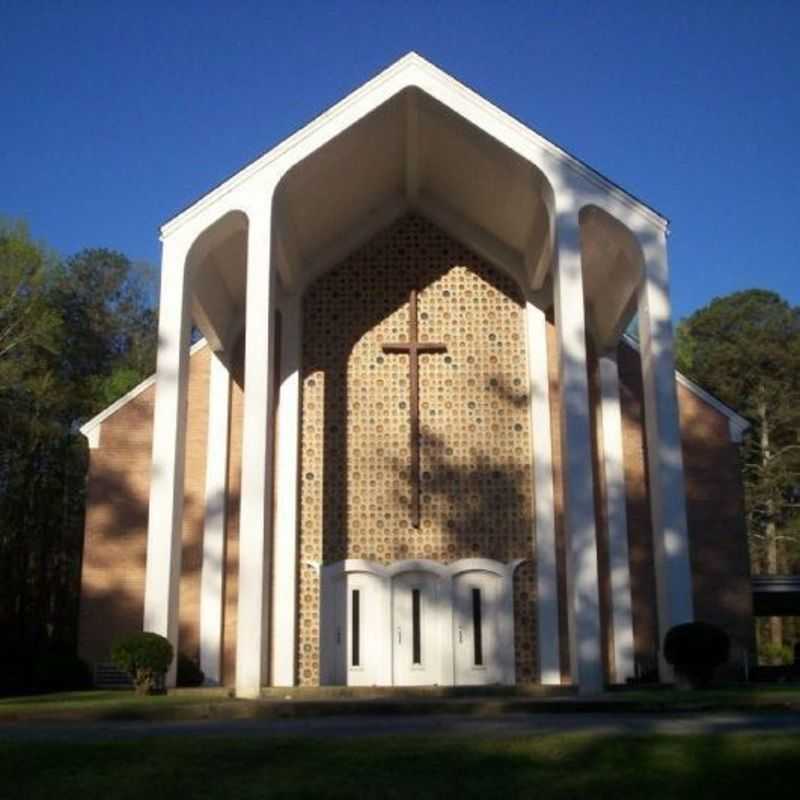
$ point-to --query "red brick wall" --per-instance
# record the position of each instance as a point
(715, 506)
(232, 522)
(640, 529)
(715, 510)
(112, 580)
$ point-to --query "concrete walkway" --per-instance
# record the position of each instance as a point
(601, 724)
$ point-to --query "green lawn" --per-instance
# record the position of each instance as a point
(111, 705)
(772, 695)
(411, 768)
(193, 704)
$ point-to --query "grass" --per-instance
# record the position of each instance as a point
(772, 695)
(567, 766)
(194, 704)
(97, 705)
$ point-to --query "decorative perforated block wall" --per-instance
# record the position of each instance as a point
(476, 498)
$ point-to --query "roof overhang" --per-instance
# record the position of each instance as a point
(776, 595)
(415, 139)
(413, 71)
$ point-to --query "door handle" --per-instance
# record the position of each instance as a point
(338, 635)
(460, 635)
(399, 635)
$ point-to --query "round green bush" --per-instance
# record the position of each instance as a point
(146, 658)
(695, 650)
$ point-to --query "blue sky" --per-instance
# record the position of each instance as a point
(115, 115)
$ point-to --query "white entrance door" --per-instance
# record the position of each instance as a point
(476, 597)
(417, 634)
(358, 630)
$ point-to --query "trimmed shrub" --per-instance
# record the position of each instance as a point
(695, 650)
(146, 658)
(189, 672)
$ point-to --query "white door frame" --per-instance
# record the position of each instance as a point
(445, 574)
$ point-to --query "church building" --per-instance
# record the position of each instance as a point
(415, 445)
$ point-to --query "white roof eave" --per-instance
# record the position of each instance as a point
(419, 72)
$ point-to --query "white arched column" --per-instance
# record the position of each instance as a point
(542, 457)
(212, 580)
(287, 484)
(576, 447)
(664, 451)
(252, 634)
(165, 522)
(616, 519)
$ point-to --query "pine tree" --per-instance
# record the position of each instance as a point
(745, 348)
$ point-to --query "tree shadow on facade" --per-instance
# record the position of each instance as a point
(717, 537)
(115, 548)
(475, 484)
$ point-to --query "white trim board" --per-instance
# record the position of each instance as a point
(91, 429)
(737, 424)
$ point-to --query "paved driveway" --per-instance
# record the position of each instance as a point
(517, 724)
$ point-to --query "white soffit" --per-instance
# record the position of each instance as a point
(414, 71)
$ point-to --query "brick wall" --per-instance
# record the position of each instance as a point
(112, 579)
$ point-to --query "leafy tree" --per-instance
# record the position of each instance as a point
(27, 321)
(108, 326)
(74, 335)
(745, 348)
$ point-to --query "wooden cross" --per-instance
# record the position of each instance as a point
(414, 348)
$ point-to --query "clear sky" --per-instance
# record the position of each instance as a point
(115, 115)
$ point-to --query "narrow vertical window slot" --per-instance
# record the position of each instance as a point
(477, 627)
(356, 640)
(416, 637)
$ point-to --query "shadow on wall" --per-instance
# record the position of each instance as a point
(717, 523)
(475, 478)
(718, 539)
(115, 541)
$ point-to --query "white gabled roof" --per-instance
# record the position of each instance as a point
(416, 71)
(91, 429)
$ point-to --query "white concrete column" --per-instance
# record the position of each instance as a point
(252, 634)
(547, 638)
(576, 448)
(212, 578)
(165, 522)
(664, 452)
(617, 519)
(284, 590)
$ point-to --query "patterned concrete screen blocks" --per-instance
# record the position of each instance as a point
(475, 498)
